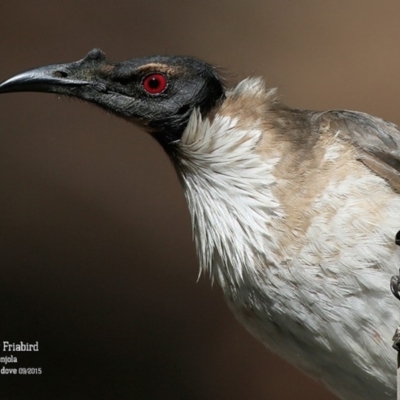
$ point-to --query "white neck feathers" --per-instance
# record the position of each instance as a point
(231, 207)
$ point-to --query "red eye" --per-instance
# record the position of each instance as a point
(155, 83)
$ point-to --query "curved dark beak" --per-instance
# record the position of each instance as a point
(87, 79)
(50, 78)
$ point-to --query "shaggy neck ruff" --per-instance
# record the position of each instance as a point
(230, 206)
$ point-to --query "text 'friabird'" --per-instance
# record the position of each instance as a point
(21, 346)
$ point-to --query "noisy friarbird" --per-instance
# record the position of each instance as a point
(294, 212)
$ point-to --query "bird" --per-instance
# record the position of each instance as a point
(294, 212)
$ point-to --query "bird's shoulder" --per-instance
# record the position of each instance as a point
(376, 141)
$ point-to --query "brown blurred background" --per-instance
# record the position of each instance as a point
(96, 257)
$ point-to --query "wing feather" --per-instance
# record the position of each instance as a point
(377, 141)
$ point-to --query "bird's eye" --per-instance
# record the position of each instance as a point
(155, 83)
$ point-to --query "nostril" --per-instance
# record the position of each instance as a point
(60, 74)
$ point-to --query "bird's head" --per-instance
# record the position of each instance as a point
(157, 92)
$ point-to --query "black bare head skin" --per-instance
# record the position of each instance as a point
(157, 92)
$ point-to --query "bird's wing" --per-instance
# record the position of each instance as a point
(377, 141)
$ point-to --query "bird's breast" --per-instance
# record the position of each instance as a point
(302, 245)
